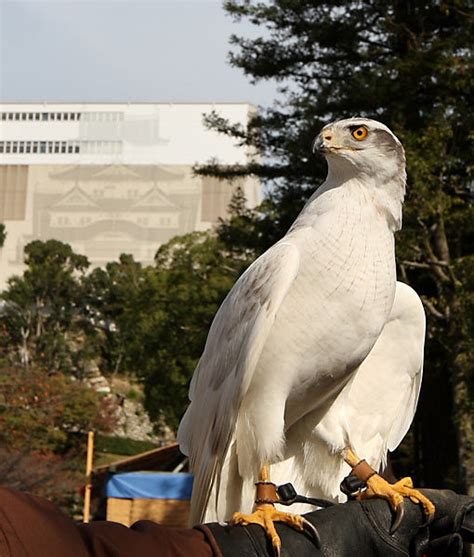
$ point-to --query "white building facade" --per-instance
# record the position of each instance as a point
(111, 178)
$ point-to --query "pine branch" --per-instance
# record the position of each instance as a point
(433, 310)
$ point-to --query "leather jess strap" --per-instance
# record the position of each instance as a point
(363, 470)
(266, 493)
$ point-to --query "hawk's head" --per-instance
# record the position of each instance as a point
(367, 152)
(361, 146)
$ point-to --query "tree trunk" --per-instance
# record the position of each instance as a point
(461, 370)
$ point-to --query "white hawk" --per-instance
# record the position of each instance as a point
(315, 355)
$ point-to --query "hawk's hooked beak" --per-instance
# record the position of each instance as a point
(318, 145)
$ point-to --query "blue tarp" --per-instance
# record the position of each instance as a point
(150, 485)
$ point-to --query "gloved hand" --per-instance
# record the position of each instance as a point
(361, 529)
(453, 524)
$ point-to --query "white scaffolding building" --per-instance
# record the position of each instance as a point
(111, 178)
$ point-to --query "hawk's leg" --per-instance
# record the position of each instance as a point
(393, 493)
(266, 515)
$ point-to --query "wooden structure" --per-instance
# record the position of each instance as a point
(170, 512)
(88, 487)
(164, 462)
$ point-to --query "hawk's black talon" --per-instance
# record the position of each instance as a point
(399, 514)
(311, 529)
(428, 520)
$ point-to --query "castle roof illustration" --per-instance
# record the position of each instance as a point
(153, 201)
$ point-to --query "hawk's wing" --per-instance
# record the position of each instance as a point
(225, 370)
(382, 397)
(413, 327)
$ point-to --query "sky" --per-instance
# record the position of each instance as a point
(122, 50)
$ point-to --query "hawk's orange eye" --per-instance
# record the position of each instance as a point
(360, 133)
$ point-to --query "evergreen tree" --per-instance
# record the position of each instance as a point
(173, 312)
(109, 302)
(409, 64)
(40, 310)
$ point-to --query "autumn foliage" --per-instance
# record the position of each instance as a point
(47, 413)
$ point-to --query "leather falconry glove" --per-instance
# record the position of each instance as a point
(360, 528)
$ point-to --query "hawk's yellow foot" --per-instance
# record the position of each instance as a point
(394, 494)
(266, 515)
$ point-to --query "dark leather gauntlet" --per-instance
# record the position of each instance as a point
(361, 529)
